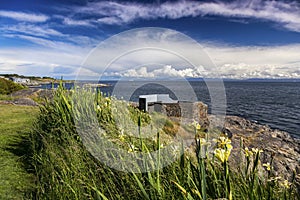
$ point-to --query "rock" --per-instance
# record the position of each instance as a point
(187, 111)
(279, 144)
(25, 92)
(25, 101)
(227, 132)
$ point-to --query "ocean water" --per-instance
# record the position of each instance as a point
(276, 104)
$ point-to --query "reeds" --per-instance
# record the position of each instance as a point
(67, 169)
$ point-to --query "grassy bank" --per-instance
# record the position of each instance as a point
(65, 156)
(15, 125)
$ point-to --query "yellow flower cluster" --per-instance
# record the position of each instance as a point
(223, 150)
(222, 154)
(286, 184)
(249, 153)
(256, 150)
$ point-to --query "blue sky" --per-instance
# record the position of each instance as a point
(244, 39)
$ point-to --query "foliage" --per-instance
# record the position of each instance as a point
(29, 77)
(7, 86)
(66, 169)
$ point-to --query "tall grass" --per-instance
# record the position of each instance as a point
(66, 168)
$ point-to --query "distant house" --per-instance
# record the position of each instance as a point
(144, 100)
(20, 80)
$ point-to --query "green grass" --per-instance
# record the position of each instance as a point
(5, 97)
(15, 124)
(65, 169)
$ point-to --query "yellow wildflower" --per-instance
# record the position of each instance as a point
(132, 148)
(275, 179)
(224, 143)
(121, 135)
(256, 150)
(196, 125)
(98, 107)
(247, 152)
(203, 142)
(122, 138)
(267, 166)
(286, 184)
(222, 154)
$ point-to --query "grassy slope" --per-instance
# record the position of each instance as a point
(66, 170)
(15, 123)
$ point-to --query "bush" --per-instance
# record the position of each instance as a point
(7, 86)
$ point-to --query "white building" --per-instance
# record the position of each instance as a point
(20, 80)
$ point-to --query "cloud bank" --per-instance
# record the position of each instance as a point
(229, 61)
(212, 60)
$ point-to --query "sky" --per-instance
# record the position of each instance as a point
(240, 38)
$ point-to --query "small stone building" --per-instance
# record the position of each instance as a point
(182, 109)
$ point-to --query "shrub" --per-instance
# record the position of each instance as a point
(7, 86)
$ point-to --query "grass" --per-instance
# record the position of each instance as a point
(5, 97)
(15, 124)
(65, 156)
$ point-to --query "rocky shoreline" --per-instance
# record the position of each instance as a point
(280, 145)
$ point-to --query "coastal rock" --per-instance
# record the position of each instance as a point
(25, 101)
(34, 93)
(26, 92)
(187, 111)
(279, 144)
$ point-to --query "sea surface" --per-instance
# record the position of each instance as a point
(276, 104)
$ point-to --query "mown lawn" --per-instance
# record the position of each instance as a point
(15, 124)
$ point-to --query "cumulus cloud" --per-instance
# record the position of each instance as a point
(22, 16)
(151, 54)
(255, 61)
(287, 14)
(155, 53)
(166, 71)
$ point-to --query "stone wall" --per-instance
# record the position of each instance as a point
(186, 110)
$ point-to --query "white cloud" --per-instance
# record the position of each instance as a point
(48, 59)
(47, 37)
(73, 22)
(30, 29)
(287, 14)
(166, 71)
(147, 54)
(22, 16)
(151, 54)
